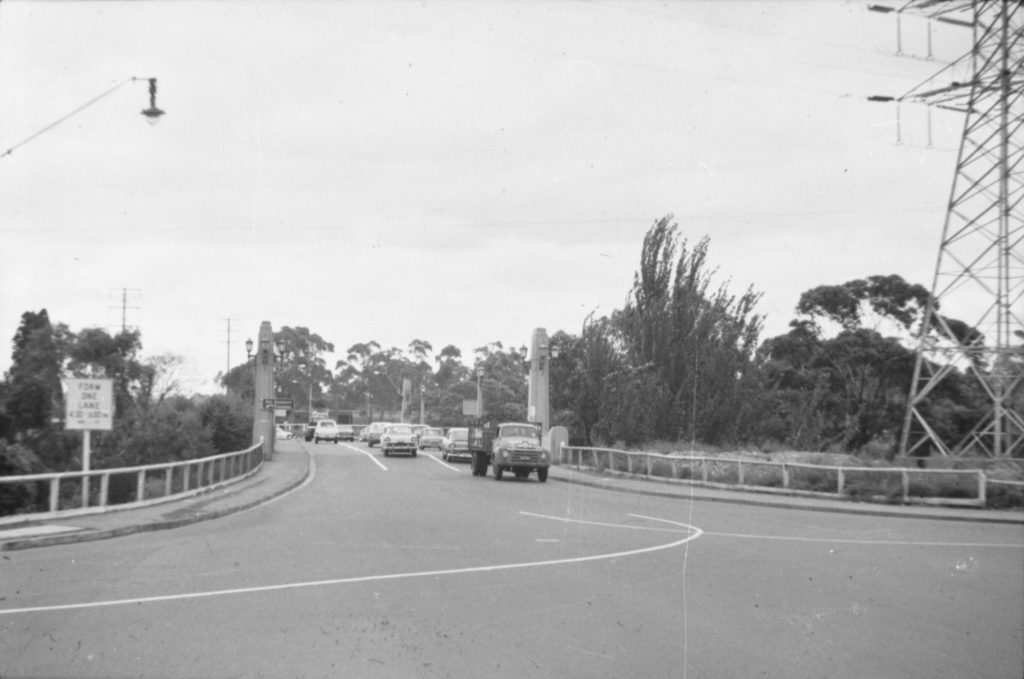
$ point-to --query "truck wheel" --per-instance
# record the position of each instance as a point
(498, 471)
(542, 474)
(414, 453)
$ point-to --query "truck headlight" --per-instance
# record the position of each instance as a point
(504, 453)
(544, 456)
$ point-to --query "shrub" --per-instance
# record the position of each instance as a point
(1004, 496)
(869, 485)
(818, 480)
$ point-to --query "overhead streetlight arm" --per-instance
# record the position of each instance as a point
(152, 113)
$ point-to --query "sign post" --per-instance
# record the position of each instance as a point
(88, 405)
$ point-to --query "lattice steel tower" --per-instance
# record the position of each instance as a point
(979, 275)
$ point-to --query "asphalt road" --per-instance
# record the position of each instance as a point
(410, 567)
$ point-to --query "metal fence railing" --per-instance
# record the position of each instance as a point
(44, 496)
(952, 487)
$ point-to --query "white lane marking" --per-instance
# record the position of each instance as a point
(693, 531)
(366, 453)
(609, 525)
(443, 463)
(852, 541)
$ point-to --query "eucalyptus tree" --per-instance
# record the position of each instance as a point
(840, 377)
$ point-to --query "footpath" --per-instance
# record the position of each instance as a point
(290, 467)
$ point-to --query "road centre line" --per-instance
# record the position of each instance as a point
(693, 534)
(609, 525)
(367, 454)
(443, 463)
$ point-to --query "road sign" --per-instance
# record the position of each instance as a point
(89, 404)
(286, 403)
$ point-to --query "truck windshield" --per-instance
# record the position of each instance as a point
(518, 431)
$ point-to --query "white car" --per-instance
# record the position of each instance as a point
(432, 437)
(398, 438)
(326, 430)
(281, 434)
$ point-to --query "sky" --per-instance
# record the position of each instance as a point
(455, 172)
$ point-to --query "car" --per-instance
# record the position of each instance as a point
(374, 431)
(326, 430)
(282, 434)
(310, 428)
(456, 444)
(398, 438)
(432, 437)
(346, 432)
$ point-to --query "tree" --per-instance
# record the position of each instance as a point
(578, 377)
(867, 303)
(848, 388)
(33, 382)
(690, 344)
(503, 383)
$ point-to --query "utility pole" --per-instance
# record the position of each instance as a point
(227, 369)
(124, 307)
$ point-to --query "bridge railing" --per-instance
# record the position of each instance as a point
(46, 496)
(950, 487)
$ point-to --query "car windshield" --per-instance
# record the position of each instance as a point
(519, 431)
(430, 431)
(399, 430)
(458, 434)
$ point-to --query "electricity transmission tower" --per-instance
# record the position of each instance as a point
(979, 275)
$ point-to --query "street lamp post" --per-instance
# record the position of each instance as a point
(479, 393)
(309, 401)
(422, 411)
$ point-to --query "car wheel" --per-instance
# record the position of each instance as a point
(542, 474)
(444, 455)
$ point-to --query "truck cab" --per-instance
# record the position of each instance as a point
(509, 446)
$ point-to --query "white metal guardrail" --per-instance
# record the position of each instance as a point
(949, 487)
(126, 487)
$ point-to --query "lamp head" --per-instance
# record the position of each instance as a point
(248, 347)
(152, 113)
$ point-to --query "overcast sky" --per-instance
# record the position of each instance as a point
(457, 172)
